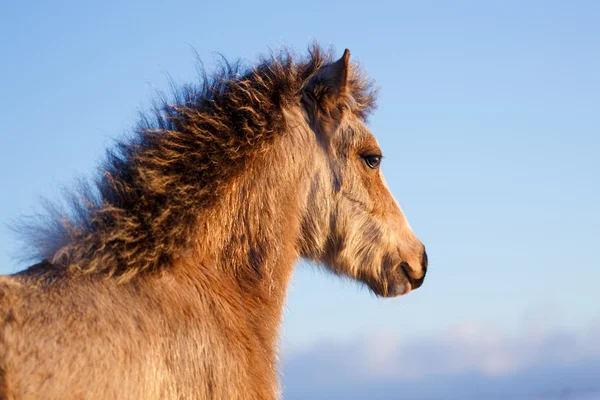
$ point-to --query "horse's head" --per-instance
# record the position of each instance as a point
(352, 223)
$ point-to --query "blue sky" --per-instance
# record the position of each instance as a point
(490, 125)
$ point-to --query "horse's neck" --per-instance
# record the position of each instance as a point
(247, 242)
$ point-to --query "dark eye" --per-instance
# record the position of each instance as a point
(372, 160)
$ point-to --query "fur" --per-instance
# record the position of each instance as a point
(151, 187)
(169, 281)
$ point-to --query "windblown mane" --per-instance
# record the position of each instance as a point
(151, 187)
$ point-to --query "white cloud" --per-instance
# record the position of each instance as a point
(480, 356)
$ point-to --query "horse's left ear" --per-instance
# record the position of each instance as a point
(326, 94)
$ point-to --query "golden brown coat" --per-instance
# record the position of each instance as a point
(169, 282)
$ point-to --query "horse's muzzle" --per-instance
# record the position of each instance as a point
(407, 281)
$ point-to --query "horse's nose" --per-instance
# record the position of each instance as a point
(417, 282)
(424, 262)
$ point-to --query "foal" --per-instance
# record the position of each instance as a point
(169, 283)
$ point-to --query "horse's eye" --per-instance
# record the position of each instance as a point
(372, 160)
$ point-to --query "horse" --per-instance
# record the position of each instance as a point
(167, 276)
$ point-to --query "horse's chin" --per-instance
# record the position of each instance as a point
(399, 289)
(397, 283)
(393, 289)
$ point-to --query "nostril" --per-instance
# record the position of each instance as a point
(405, 270)
(414, 283)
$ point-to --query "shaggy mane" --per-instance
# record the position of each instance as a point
(142, 207)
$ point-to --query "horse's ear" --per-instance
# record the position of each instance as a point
(326, 94)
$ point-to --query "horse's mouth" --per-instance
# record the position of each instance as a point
(401, 282)
(399, 289)
(395, 280)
